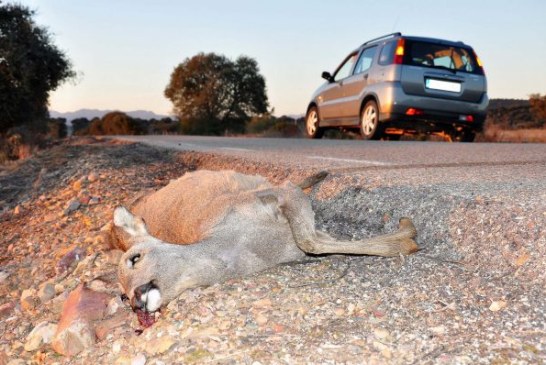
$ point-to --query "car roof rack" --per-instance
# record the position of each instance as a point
(397, 34)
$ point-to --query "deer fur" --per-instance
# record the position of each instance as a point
(207, 227)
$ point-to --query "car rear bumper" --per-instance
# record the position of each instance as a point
(432, 112)
(432, 121)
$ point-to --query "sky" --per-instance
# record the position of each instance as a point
(124, 51)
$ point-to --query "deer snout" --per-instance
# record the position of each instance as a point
(146, 297)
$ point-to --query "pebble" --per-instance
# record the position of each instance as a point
(3, 276)
(160, 345)
(438, 330)
(28, 299)
(41, 335)
(72, 206)
(94, 200)
(92, 177)
(381, 333)
(46, 292)
(116, 347)
(497, 305)
(261, 319)
(77, 185)
(74, 338)
(139, 359)
(17, 210)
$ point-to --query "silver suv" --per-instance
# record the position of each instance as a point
(398, 84)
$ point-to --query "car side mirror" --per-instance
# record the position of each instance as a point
(327, 76)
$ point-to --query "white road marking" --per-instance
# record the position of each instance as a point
(235, 149)
(349, 160)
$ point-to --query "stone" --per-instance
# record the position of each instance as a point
(46, 292)
(94, 200)
(497, 305)
(72, 206)
(74, 338)
(76, 330)
(7, 308)
(41, 335)
(381, 333)
(70, 260)
(160, 345)
(17, 210)
(17, 362)
(438, 330)
(84, 199)
(3, 276)
(104, 327)
(92, 177)
(28, 299)
(139, 359)
(261, 319)
(77, 185)
(114, 305)
(56, 304)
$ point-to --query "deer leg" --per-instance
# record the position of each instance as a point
(297, 209)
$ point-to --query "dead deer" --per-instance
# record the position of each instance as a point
(207, 227)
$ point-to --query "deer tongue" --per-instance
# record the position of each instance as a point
(146, 319)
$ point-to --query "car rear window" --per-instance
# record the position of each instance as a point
(437, 55)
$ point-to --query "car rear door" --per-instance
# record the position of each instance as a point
(355, 84)
(442, 70)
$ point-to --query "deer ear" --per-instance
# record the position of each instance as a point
(130, 224)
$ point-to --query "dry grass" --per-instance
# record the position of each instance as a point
(496, 134)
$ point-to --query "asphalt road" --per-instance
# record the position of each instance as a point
(391, 163)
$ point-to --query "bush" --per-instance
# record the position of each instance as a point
(538, 107)
(111, 124)
(260, 124)
(270, 126)
(56, 128)
(19, 143)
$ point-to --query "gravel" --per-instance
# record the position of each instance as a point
(473, 295)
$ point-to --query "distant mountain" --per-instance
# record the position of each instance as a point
(96, 113)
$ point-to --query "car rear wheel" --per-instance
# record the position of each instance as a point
(369, 121)
(312, 124)
(466, 135)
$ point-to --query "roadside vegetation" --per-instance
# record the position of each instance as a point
(512, 120)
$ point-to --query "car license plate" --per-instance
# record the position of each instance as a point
(454, 87)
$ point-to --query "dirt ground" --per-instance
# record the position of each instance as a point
(474, 295)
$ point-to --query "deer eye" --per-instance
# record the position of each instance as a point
(133, 260)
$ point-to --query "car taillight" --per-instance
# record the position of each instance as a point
(480, 64)
(414, 111)
(399, 52)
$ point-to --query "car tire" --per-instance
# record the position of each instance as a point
(369, 121)
(468, 136)
(312, 122)
(464, 136)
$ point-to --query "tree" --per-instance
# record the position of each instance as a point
(80, 125)
(214, 95)
(31, 66)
